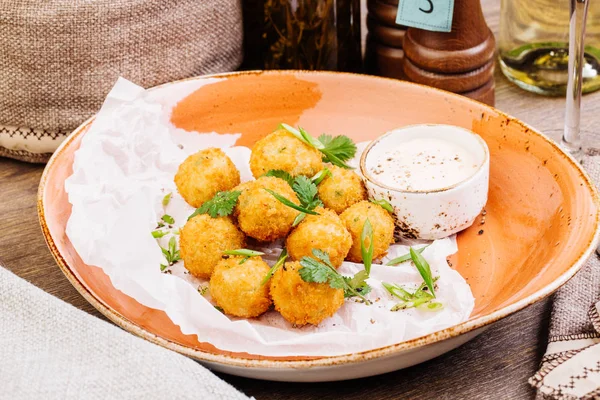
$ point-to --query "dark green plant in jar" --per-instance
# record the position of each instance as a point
(311, 34)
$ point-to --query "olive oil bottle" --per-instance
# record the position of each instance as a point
(534, 41)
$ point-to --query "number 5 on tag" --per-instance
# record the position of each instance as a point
(431, 15)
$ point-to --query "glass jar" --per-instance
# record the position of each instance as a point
(302, 34)
(534, 41)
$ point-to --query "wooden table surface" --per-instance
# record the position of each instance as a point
(496, 364)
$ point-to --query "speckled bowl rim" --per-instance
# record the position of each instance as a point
(374, 181)
(322, 362)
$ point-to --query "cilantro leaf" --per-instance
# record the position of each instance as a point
(306, 191)
(342, 146)
(221, 205)
(335, 150)
(278, 173)
(166, 199)
(320, 270)
(358, 282)
(313, 271)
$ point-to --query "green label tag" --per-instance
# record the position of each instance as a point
(431, 15)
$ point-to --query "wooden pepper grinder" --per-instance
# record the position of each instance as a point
(460, 61)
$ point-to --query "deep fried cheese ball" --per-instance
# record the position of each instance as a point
(237, 288)
(326, 232)
(281, 150)
(300, 302)
(383, 228)
(262, 216)
(205, 173)
(202, 241)
(342, 189)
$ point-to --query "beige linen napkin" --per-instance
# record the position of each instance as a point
(570, 368)
(51, 350)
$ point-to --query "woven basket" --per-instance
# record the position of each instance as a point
(59, 58)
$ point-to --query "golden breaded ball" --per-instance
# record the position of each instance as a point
(202, 241)
(262, 216)
(383, 228)
(283, 151)
(205, 173)
(300, 302)
(326, 232)
(342, 189)
(237, 288)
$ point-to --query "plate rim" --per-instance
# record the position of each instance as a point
(324, 361)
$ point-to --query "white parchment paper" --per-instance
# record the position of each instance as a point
(123, 169)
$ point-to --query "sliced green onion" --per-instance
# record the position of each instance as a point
(288, 203)
(243, 252)
(405, 257)
(423, 268)
(157, 234)
(367, 252)
(275, 267)
(321, 175)
(299, 218)
(168, 219)
(384, 204)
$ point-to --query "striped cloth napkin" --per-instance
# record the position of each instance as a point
(570, 369)
(51, 350)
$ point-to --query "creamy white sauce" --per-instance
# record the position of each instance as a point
(424, 164)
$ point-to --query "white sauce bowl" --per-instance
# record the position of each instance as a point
(436, 213)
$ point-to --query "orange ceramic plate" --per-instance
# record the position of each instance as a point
(541, 222)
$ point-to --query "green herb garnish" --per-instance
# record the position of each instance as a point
(166, 199)
(335, 150)
(367, 245)
(202, 289)
(306, 190)
(275, 267)
(405, 257)
(321, 175)
(412, 299)
(221, 205)
(290, 204)
(220, 309)
(299, 218)
(384, 204)
(277, 173)
(423, 268)
(171, 253)
(168, 219)
(359, 283)
(321, 271)
(157, 234)
(246, 253)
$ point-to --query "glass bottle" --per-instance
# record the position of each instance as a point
(302, 34)
(533, 45)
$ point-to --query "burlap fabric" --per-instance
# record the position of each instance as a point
(570, 368)
(51, 350)
(59, 58)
